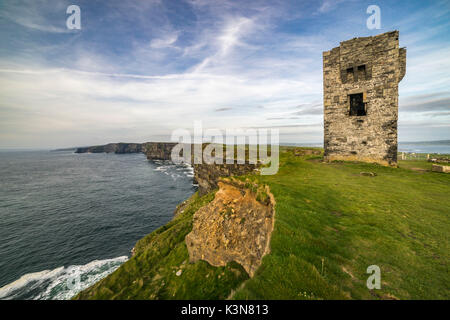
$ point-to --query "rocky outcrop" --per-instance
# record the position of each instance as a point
(235, 226)
(158, 150)
(207, 175)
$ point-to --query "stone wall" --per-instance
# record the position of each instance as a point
(369, 68)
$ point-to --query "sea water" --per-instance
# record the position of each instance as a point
(66, 216)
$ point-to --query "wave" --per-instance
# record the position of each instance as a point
(175, 171)
(61, 283)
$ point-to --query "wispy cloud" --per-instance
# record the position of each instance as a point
(328, 5)
(223, 109)
(166, 42)
(35, 15)
(439, 101)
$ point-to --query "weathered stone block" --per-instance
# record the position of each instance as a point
(439, 168)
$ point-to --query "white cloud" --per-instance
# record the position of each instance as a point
(166, 42)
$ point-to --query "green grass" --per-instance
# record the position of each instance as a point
(331, 223)
(418, 164)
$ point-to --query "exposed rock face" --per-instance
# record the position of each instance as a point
(158, 150)
(360, 89)
(207, 175)
(235, 226)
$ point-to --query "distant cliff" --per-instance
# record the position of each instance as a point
(153, 150)
(112, 147)
(158, 150)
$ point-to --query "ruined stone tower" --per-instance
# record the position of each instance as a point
(360, 98)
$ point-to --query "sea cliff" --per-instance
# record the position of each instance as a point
(205, 175)
(153, 150)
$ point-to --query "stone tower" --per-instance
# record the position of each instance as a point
(360, 98)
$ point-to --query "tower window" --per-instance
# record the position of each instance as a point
(350, 74)
(357, 105)
(362, 72)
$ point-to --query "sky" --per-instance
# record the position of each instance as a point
(138, 70)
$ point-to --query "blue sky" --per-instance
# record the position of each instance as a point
(139, 69)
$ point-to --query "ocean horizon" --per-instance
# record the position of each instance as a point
(432, 146)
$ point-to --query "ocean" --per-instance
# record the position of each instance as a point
(439, 147)
(68, 220)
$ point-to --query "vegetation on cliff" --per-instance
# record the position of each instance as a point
(331, 223)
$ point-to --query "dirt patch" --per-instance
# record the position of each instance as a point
(235, 226)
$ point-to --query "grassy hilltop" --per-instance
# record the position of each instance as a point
(331, 223)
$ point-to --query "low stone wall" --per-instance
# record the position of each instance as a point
(439, 160)
(440, 168)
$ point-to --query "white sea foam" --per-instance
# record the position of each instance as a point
(170, 169)
(60, 283)
(7, 291)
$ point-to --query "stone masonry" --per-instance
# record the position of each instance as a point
(360, 84)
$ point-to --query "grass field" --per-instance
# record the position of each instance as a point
(331, 224)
